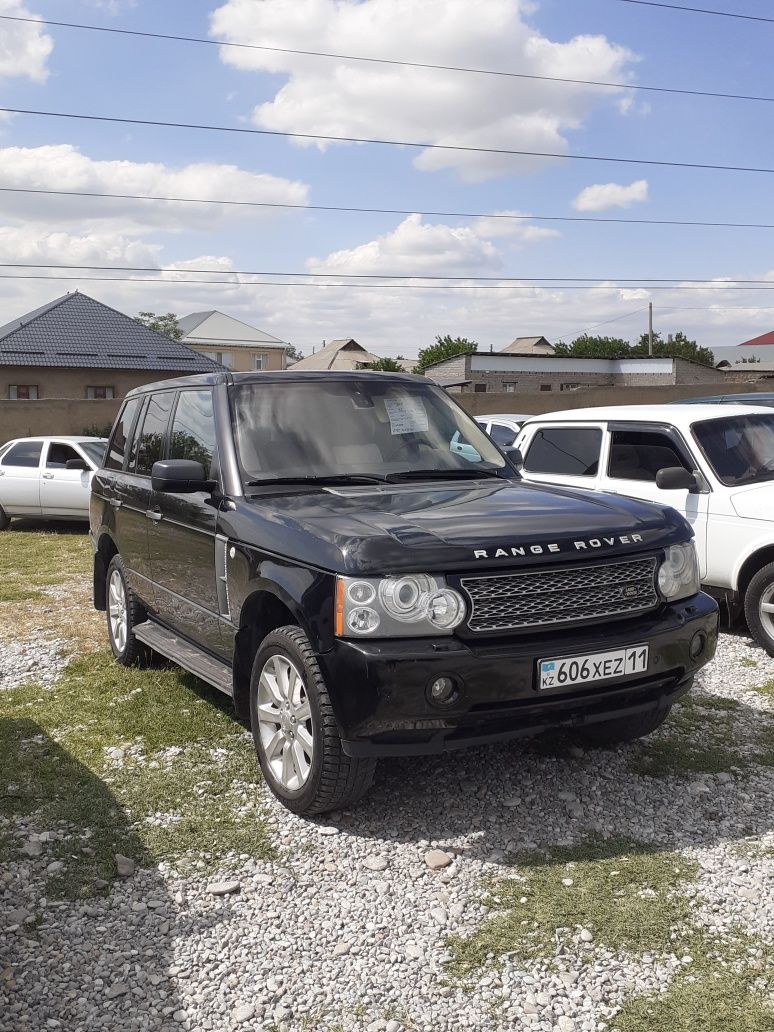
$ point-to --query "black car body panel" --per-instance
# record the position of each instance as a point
(224, 566)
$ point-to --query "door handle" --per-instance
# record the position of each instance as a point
(48, 476)
(155, 516)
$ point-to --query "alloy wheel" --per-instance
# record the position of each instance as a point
(285, 722)
(766, 609)
(119, 620)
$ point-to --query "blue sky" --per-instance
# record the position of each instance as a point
(105, 74)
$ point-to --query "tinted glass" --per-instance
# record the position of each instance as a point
(739, 449)
(502, 435)
(95, 450)
(640, 454)
(118, 442)
(26, 454)
(154, 431)
(193, 429)
(59, 455)
(568, 451)
(372, 426)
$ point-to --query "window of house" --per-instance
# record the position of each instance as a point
(223, 358)
(100, 393)
(117, 446)
(59, 455)
(480, 388)
(640, 454)
(154, 431)
(259, 362)
(193, 429)
(569, 451)
(25, 454)
(511, 388)
(23, 392)
(545, 386)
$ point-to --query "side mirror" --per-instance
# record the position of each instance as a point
(179, 476)
(80, 464)
(513, 454)
(675, 478)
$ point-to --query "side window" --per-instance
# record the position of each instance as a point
(193, 429)
(118, 442)
(502, 435)
(640, 454)
(565, 451)
(58, 455)
(154, 431)
(26, 454)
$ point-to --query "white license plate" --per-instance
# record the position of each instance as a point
(599, 666)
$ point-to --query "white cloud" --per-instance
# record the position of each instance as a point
(64, 167)
(434, 249)
(24, 48)
(347, 98)
(602, 196)
(21, 244)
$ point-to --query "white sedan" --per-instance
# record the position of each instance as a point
(48, 477)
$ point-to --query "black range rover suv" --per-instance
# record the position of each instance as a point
(351, 559)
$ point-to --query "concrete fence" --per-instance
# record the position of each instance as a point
(51, 416)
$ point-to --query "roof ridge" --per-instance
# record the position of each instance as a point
(39, 313)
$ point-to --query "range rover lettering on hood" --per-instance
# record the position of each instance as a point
(512, 551)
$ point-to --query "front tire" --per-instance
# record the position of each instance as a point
(124, 612)
(295, 732)
(759, 607)
(607, 734)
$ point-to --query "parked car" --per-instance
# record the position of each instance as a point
(503, 428)
(713, 463)
(358, 565)
(765, 398)
(48, 477)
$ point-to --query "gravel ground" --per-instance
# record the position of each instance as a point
(40, 660)
(348, 930)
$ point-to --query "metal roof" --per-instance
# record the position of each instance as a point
(75, 331)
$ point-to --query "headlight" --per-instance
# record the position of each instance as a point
(411, 606)
(678, 575)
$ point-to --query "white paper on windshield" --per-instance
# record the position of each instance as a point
(407, 414)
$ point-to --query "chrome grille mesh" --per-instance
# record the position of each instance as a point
(501, 602)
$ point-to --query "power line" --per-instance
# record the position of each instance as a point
(503, 151)
(387, 61)
(700, 10)
(387, 211)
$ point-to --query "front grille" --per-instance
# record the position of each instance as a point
(505, 602)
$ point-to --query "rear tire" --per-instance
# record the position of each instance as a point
(5, 519)
(295, 732)
(760, 620)
(609, 733)
(124, 612)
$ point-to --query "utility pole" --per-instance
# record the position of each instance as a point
(650, 329)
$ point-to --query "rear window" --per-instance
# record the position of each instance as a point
(565, 451)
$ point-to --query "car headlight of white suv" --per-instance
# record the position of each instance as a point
(412, 605)
(678, 575)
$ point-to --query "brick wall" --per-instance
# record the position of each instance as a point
(34, 419)
(71, 384)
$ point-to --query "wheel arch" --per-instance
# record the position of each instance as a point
(752, 563)
(104, 552)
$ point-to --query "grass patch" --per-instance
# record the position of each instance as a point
(187, 781)
(707, 734)
(745, 661)
(626, 893)
(50, 558)
(766, 689)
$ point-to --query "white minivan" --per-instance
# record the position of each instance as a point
(713, 463)
(48, 477)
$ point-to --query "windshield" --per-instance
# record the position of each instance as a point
(95, 450)
(740, 449)
(373, 427)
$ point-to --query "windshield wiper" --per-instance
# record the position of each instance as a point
(441, 474)
(335, 478)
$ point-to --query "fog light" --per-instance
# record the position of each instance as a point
(698, 643)
(442, 691)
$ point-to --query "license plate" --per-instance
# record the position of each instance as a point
(599, 666)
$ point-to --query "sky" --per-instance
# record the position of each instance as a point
(70, 70)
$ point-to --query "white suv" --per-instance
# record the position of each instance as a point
(713, 463)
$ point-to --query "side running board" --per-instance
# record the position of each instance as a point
(186, 655)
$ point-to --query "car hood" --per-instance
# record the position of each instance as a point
(452, 526)
(755, 502)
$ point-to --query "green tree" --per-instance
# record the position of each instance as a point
(593, 347)
(678, 347)
(386, 365)
(166, 324)
(444, 347)
(293, 353)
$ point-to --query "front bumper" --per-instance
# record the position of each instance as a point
(379, 689)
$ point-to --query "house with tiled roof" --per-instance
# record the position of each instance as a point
(231, 343)
(345, 353)
(78, 348)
